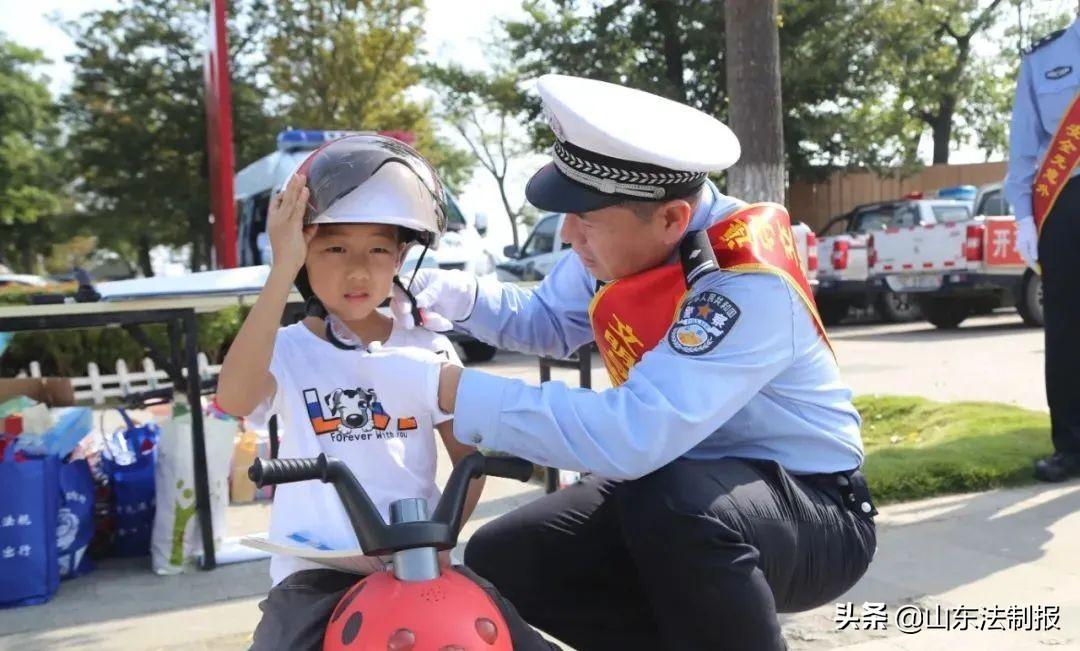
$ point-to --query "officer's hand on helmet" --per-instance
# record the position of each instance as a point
(443, 296)
(405, 380)
(1027, 241)
(285, 225)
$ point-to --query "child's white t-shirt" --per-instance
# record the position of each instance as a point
(325, 403)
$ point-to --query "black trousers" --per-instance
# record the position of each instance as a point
(1059, 256)
(697, 555)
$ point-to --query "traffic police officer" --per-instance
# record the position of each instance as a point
(1044, 189)
(725, 458)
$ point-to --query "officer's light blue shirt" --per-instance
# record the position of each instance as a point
(769, 389)
(1049, 80)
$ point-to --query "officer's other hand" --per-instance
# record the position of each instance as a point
(1027, 241)
(443, 296)
(285, 225)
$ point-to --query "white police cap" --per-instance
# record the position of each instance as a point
(616, 144)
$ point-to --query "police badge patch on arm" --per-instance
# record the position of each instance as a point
(703, 322)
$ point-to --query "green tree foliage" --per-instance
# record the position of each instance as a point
(926, 48)
(137, 121)
(31, 182)
(862, 80)
(486, 109)
(344, 64)
(676, 48)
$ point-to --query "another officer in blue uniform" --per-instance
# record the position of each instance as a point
(726, 484)
(1049, 81)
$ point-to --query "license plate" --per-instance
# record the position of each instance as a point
(914, 282)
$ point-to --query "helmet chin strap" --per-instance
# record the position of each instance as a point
(416, 269)
(314, 307)
(418, 318)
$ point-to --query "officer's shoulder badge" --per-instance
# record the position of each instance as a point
(703, 322)
(1046, 40)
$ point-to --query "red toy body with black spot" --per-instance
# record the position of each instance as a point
(450, 613)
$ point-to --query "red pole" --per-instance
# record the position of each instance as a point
(219, 138)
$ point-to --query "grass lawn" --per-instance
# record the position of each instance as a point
(917, 448)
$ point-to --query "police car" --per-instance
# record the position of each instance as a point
(956, 265)
(462, 247)
(844, 273)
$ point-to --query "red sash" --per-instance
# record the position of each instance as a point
(631, 315)
(1061, 159)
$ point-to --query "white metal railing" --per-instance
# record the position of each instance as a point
(95, 388)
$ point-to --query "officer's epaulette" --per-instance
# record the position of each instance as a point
(1045, 40)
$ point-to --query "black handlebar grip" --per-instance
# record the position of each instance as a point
(266, 472)
(508, 467)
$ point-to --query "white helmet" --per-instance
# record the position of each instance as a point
(373, 179)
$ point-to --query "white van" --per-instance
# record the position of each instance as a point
(463, 246)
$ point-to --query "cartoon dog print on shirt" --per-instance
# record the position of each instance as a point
(352, 407)
(349, 413)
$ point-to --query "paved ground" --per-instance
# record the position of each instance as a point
(997, 549)
(981, 551)
(994, 358)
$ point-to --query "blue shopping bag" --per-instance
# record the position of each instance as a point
(29, 504)
(75, 521)
(129, 464)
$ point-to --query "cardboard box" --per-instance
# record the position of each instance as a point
(241, 489)
(53, 391)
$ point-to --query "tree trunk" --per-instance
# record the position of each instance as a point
(510, 214)
(753, 89)
(26, 262)
(668, 20)
(943, 124)
(144, 257)
(199, 230)
(942, 130)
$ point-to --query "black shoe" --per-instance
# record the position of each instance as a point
(1058, 467)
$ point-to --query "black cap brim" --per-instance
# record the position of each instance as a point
(549, 190)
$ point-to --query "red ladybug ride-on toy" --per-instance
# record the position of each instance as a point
(415, 605)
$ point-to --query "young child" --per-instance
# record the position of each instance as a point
(340, 230)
